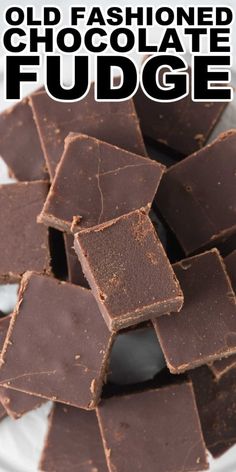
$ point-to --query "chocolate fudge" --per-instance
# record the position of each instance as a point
(155, 431)
(188, 339)
(57, 346)
(73, 442)
(95, 182)
(197, 196)
(19, 143)
(230, 263)
(216, 402)
(25, 244)
(115, 123)
(75, 272)
(222, 366)
(128, 270)
(183, 126)
(16, 404)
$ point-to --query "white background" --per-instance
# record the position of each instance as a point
(21, 441)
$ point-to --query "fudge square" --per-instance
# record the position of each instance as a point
(155, 431)
(73, 442)
(25, 243)
(57, 346)
(115, 123)
(222, 366)
(205, 330)
(14, 403)
(95, 182)
(19, 143)
(216, 403)
(128, 270)
(197, 196)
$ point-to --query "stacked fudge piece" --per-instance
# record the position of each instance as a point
(86, 191)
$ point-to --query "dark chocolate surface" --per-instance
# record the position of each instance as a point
(230, 263)
(216, 402)
(197, 196)
(73, 442)
(17, 404)
(96, 182)
(188, 339)
(227, 244)
(182, 126)
(24, 242)
(128, 270)
(75, 272)
(57, 344)
(20, 145)
(115, 123)
(155, 431)
(222, 366)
